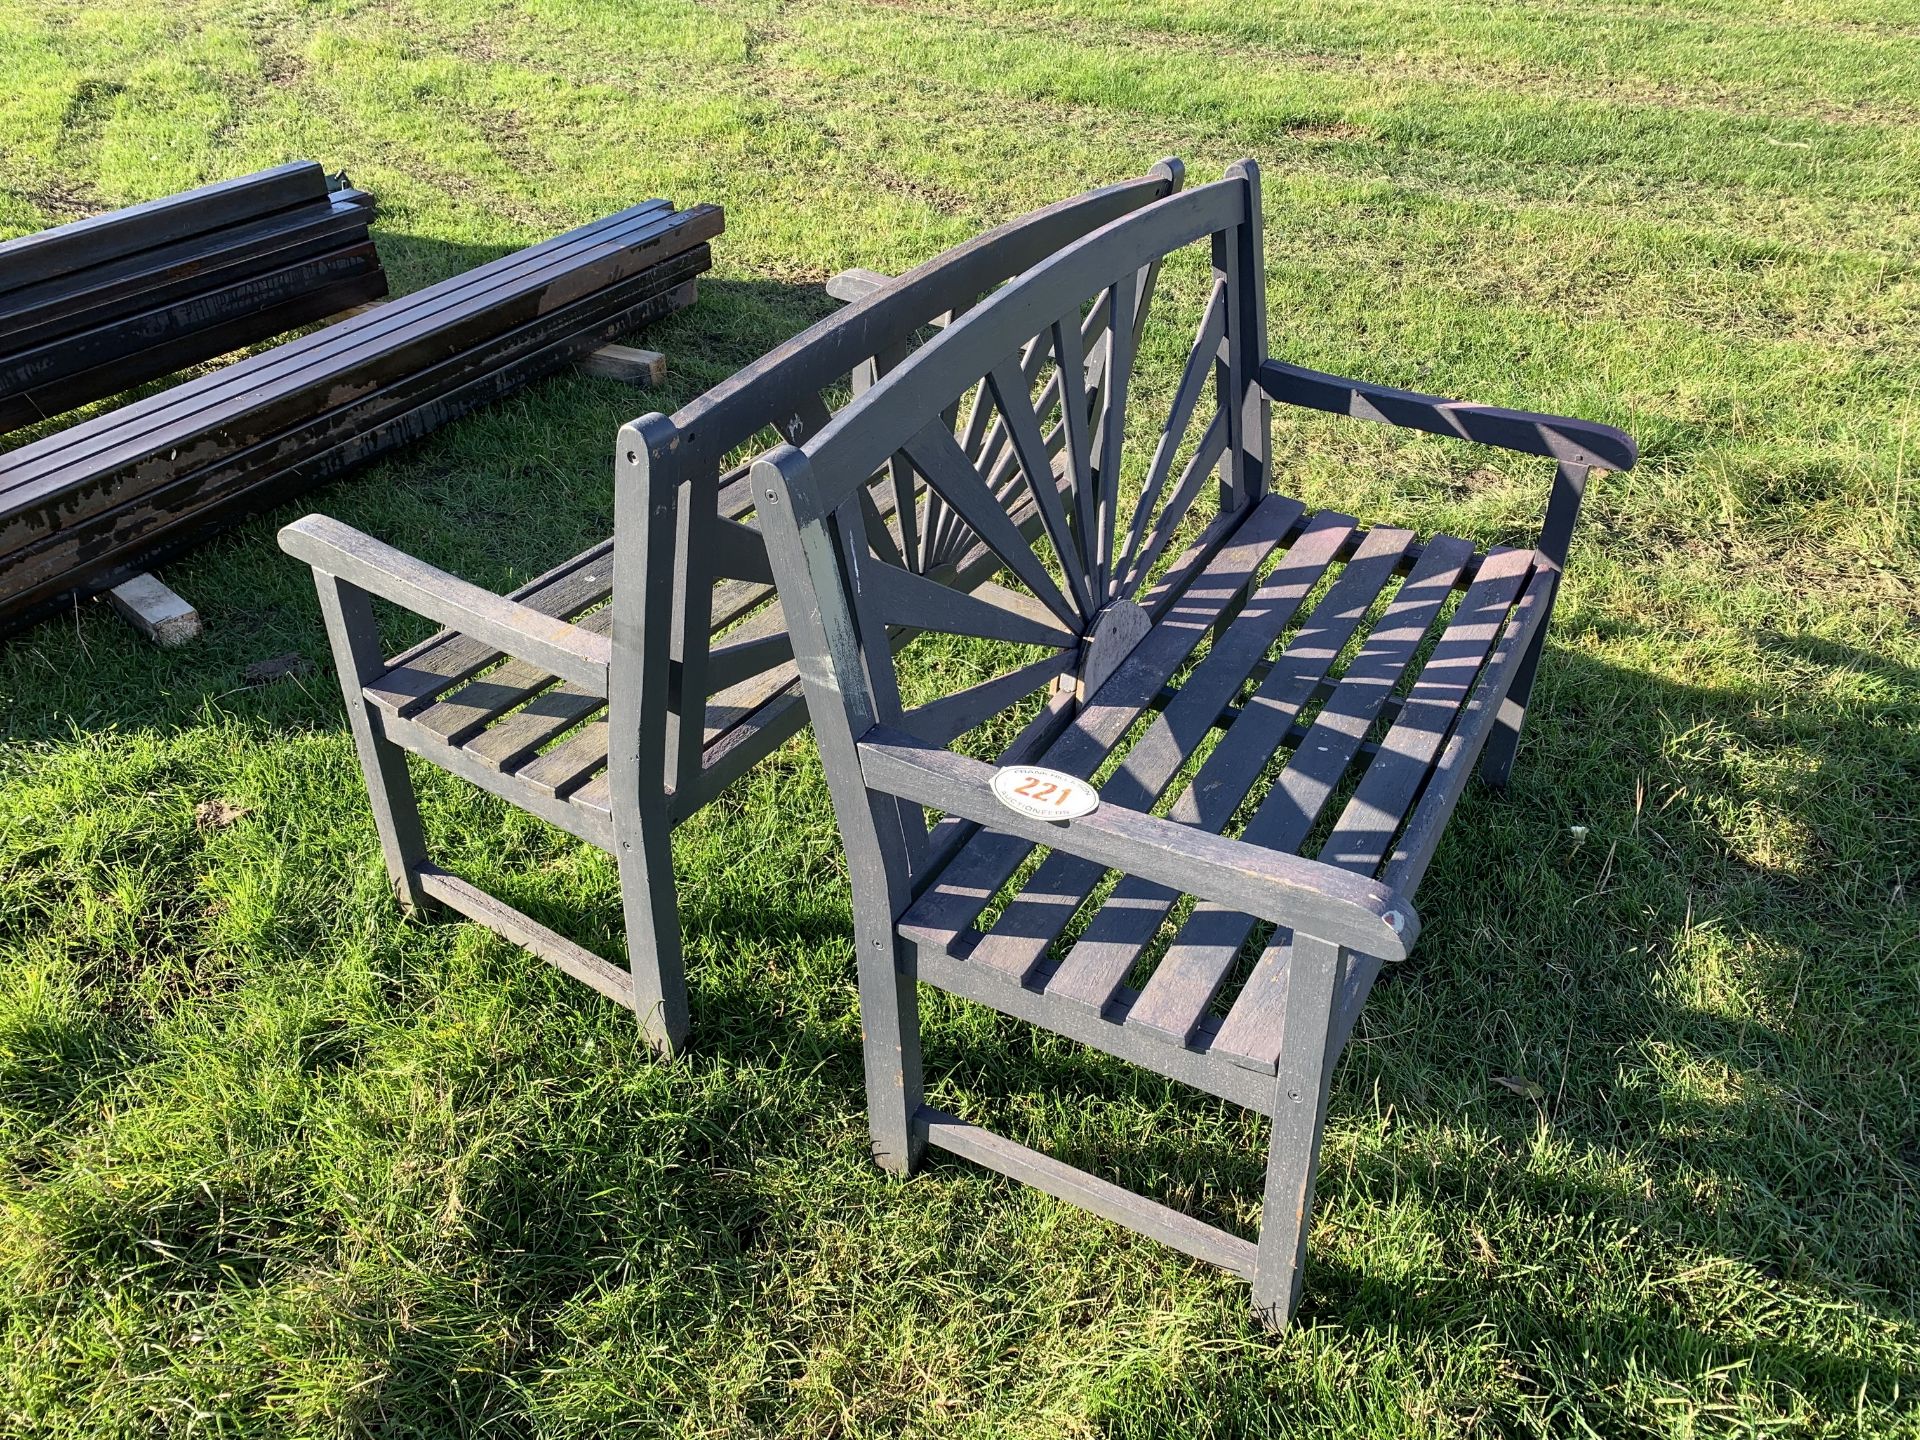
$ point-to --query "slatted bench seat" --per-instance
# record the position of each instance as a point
(1274, 728)
(628, 687)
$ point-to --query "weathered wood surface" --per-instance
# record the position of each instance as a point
(72, 370)
(186, 267)
(97, 307)
(1277, 754)
(98, 536)
(625, 362)
(85, 507)
(49, 254)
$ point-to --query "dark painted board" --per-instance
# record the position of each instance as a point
(335, 345)
(242, 307)
(160, 534)
(203, 262)
(172, 479)
(363, 282)
(265, 392)
(31, 259)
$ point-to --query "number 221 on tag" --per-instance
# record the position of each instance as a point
(1044, 794)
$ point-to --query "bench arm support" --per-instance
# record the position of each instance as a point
(1306, 895)
(573, 654)
(1572, 442)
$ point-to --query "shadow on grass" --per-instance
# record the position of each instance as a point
(1763, 1133)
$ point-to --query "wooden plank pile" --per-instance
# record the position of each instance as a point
(104, 304)
(85, 508)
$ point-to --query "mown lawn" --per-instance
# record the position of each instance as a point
(274, 1161)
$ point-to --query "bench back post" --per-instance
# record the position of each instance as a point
(641, 715)
(1239, 264)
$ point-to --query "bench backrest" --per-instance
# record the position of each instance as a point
(688, 556)
(1086, 589)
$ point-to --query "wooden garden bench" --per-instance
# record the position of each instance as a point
(1281, 719)
(628, 687)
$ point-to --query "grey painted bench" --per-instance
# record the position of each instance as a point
(625, 689)
(1289, 682)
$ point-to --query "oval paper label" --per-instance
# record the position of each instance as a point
(1044, 794)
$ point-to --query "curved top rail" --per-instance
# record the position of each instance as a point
(890, 413)
(757, 396)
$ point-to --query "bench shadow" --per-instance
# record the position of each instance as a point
(1772, 1148)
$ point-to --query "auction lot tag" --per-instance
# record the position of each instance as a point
(1044, 794)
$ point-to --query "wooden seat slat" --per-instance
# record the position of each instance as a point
(1488, 707)
(568, 765)
(415, 678)
(1091, 972)
(1213, 934)
(497, 694)
(1175, 997)
(1363, 835)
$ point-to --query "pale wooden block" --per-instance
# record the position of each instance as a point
(856, 284)
(155, 611)
(625, 362)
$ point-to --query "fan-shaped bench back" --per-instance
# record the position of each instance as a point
(1088, 586)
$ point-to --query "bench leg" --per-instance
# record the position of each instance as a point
(1300, 1108)
(352, 631)
(890, 1028)
(1496, 759)
(648, 900)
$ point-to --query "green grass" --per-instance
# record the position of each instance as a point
(275, 1161)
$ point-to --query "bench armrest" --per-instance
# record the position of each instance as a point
(573, 654)
(1306, 895)
(1574, 442)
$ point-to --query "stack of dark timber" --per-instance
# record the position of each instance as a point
(84, 509)
(96, 307)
